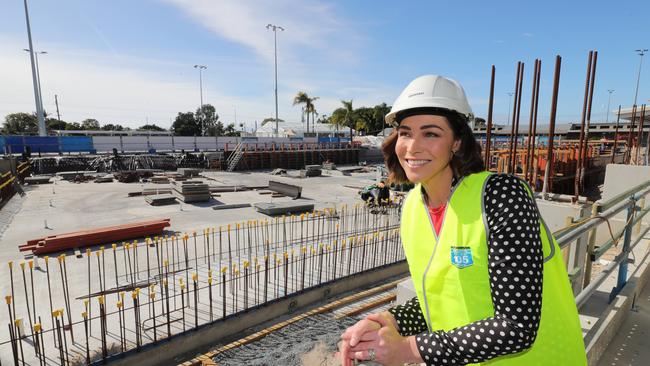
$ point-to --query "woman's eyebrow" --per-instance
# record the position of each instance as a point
(402, 127)
(431, 126)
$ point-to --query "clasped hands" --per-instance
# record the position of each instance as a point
(376, 338)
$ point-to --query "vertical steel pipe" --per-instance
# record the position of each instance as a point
(518, 104)
(630, 133)
(639, 135)
(618, 118)
(576, 182)
(530, 121)
(514, 112)
(588, 122)
(534, 138)
(548, 180)
(488, 133)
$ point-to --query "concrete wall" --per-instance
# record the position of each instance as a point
(209, 335)
(619, 178)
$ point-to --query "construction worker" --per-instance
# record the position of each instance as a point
(376, 193)
(490, 281)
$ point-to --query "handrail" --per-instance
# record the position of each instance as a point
(566, 237)
(612, 201)
(608, 244)
(584, 295)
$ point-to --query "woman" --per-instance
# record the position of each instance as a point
(490, 287)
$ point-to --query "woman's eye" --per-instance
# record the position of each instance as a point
(431, 134)
(403, 134)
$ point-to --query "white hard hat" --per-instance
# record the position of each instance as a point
(431, 91)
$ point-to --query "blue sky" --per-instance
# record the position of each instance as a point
(130, 62)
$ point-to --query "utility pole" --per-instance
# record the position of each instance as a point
(640, 52)
(275, 40)
(39, 110)
(56, 101)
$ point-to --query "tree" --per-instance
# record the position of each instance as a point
(207, 117)
(20, 124)
(216, 130)
(186, 125)
(73, 126)
(90, 124)
(349, 112)
(230, 130)
(112, 127)
(309, 107)
(151, 127)
(302, 98)
(55, 124)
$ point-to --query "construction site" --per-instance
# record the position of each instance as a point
(148, 247)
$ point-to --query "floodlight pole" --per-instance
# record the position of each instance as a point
(39, 110)
(275, 28)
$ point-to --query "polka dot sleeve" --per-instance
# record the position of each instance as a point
(409, 317)
(515, 261)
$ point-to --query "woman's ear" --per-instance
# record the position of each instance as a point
(456, 146)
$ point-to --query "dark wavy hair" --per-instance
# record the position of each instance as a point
(466, 160)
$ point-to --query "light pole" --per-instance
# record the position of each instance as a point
(39, 109)
(38, 76)
(275, 28)
(510, 94)
(640, 52)
(201, 68)
(609, 99)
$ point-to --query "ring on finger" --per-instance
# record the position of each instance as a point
(371, 354)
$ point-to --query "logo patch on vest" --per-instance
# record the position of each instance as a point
(461, 257)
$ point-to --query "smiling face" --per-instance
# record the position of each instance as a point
(424, 146)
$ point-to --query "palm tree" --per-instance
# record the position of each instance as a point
(311, 108)
(347, 105)
(303, 98)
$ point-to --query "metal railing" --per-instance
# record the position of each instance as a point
(631, 201)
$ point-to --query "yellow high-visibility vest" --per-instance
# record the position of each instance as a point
(450, 274)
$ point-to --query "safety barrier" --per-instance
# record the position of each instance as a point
(631, 202)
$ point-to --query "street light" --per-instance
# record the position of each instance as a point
(640, 52)
(510, 94)
(609, 99)
(275, 28)
(201, 68)
(39, 107)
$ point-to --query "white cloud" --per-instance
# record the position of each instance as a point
(319, 53)
(307, 24)
(92, 85)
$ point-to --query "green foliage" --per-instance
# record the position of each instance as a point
(309, 107)
(20, 124)
(151, 127)
(366, 119)
(186, 125)
(112, 127)
(55, 124)
(90, 124)
(73, 126)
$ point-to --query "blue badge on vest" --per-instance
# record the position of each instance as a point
(461, 257)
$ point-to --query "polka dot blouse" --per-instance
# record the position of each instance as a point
(515, 262)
